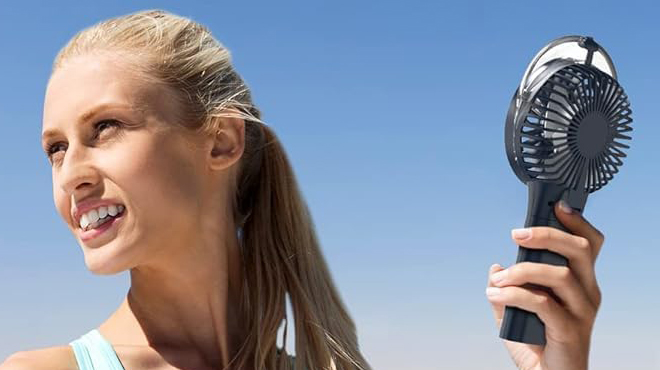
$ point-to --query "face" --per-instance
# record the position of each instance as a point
(112, 137)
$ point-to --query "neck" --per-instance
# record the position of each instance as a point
(188, 302)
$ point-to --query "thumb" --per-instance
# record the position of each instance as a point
(578, 225)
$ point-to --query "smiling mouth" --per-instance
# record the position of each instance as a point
(99, 228)
(102, 221)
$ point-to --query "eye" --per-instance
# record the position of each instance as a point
(106, 123)
(99, 127)
(51, 149)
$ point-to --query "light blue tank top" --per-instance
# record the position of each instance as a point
(93, 352)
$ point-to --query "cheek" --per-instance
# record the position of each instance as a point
(61, 204)
(160, 181)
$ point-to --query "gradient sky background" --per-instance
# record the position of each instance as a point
(392, 115)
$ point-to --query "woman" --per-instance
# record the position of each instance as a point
(162, 166)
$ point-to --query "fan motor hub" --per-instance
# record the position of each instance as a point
(593, 134)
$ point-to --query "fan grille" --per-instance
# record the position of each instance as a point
(573, 131)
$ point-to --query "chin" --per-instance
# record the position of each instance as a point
(104, 270)
(99, 264)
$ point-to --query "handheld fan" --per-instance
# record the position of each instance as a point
(563, 136)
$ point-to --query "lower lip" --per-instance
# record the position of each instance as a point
(94, 233)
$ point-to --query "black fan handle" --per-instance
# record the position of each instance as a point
(521, 325)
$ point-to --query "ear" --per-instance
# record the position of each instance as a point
(227, 144)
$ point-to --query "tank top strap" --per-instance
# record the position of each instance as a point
(93, 352)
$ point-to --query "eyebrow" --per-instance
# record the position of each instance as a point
(86, 116)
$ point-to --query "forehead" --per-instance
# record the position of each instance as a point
(88, 81)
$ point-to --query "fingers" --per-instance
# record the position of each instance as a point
(498, 308)
(573, 247)
(560, 326)
(577, 249)
(577, 225)
(559, 278)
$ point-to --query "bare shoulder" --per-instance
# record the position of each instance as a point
(51, 358)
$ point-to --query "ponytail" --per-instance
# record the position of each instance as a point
(281, 256)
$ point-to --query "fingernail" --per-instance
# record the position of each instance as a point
(499, 276)
(492, 291)
(521, 234)
(565, 207)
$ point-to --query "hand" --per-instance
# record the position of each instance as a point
(569, 315)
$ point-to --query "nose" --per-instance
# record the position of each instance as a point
(77, 172)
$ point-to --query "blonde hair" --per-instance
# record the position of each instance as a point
(280, 251)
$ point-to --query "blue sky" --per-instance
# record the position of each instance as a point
(392, 115)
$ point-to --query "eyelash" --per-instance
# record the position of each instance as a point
(113, 122)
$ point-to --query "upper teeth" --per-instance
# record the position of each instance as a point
(94, 215)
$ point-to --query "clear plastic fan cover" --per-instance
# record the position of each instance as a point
(568, 48)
